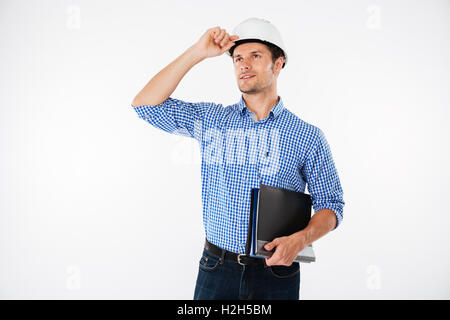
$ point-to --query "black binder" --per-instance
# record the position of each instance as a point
(277, 212)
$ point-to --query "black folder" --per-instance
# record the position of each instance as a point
(277, 212)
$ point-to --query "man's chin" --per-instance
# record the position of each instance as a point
(248, 90)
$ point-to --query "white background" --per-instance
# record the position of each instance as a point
(96, 203)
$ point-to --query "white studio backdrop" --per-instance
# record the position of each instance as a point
(97, 204)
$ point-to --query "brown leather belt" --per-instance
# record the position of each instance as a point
(242, 259)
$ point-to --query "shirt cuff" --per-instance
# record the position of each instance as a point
(337, 209)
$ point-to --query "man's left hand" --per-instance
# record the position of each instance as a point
(286, 249)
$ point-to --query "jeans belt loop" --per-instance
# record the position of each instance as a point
(222, 257)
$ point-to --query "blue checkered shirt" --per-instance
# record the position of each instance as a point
(239, 153)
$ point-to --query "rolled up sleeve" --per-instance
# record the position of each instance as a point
(176, 116)
(322, 178)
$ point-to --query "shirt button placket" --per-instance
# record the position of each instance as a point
(258, 164)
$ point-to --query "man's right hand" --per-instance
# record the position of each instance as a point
(161, 86)
(214, 42)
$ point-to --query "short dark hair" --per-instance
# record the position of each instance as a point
(274, 50)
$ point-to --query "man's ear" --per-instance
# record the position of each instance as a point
(278, 65)
(281, 60)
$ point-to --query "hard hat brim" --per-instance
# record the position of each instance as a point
(242, 41)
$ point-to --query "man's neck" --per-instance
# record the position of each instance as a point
(260, 104)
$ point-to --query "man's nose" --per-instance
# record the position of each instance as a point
(245, 66)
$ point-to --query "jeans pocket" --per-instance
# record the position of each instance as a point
(284, 272)
(208, 262)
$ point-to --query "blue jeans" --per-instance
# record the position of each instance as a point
(228, 280)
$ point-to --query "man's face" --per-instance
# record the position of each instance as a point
(255, 59)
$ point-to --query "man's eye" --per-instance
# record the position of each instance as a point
(239, 59)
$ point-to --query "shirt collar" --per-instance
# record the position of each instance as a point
(276, 110)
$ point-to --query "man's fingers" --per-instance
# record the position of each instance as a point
(214, 31)
(228, 45)
(224, 41)
(233, 39)
(222, 38)
(274, 259)
(231, 42)
(270, 245)
(219, 37)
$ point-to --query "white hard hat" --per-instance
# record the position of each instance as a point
(258, 29)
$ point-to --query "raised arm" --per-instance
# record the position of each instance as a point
(214, 42)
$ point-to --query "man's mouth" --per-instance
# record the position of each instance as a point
(247, 76)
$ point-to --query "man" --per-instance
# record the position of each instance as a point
(257, 140)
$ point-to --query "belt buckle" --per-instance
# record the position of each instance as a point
(239, 259)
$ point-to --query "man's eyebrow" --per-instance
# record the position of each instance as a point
(255, 51)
